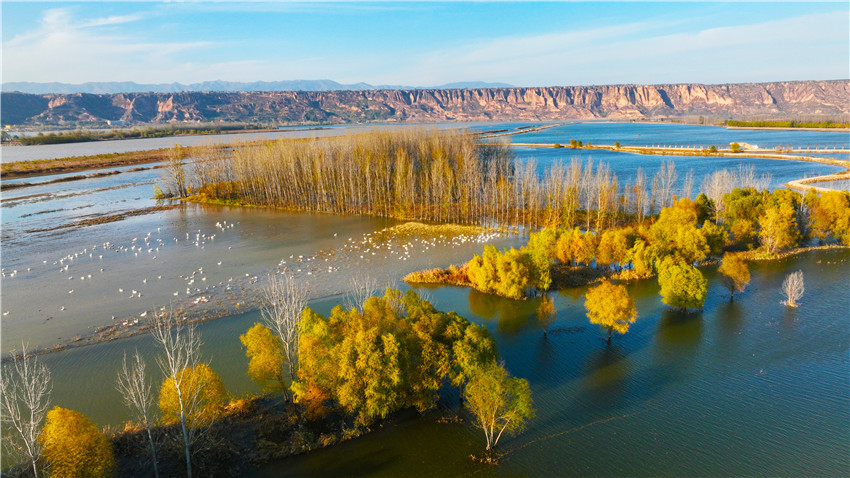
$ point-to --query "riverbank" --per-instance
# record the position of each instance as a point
(73, 164)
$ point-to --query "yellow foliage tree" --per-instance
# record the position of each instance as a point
(610, 306)
(778, 228)
(736, 274)
(202, 396)
(264, 350)
(74, 447)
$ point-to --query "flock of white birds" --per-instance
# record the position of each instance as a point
(200, 285)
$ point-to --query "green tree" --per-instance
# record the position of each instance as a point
(736, 274)
(609, 306)
(499, 402)
(735, 147)
(74, 447)
(264, 350)
(704, 207)
(682, 285)
(742, 207)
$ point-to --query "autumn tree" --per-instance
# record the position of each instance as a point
(266, 358)
(74, 446)
(778, 228)
(829, 214)
(736, 274)
(24, 395)
(546, 314)
(135, 388)
(396, 353)
(609, 306)
(201, 399)
(676, 233)
(682, 285)
(499, 402)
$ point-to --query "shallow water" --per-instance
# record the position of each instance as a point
(744, 388)
(649, 134)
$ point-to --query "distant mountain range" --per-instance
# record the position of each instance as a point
(113, 87)
(787, 99)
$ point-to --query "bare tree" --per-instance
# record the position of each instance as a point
(25, 387)
(174, 175)
(181, 350)
(639, 195)
(688, 185)
(715, 186)
(793, 288)
(134, 386)
(666, 178)
(362, 287)
(285, 300)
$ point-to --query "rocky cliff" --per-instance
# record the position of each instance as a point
(764, 100)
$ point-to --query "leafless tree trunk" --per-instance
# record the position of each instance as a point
(688, 185)
(25, 389)
(793, 288)
(285, 300)
(666, 178)
(362, 287)
(715, 186)
(174, 174)
(640, 196)
(134, 386)
(180, 350)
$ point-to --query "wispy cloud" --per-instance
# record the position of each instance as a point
(63, 48)
(645, 52)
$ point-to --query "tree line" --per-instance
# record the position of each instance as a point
(431, 175)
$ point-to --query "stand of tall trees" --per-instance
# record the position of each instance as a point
(443, 176)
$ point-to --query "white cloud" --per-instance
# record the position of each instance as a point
(66, 50)
(69, 50)
(812, 46)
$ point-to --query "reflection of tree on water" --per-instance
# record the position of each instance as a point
(513, 316)
(730, 322)
(678, 336)
(606, 373)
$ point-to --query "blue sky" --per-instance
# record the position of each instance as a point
(422, 44)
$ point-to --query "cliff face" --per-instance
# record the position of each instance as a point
(780, 100)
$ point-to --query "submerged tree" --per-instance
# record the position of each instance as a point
(682, 285)
(610, 306)
(135, 388)
(500, 403)
(793, 288)
(736, 274)
(74, 447)
(24, 392)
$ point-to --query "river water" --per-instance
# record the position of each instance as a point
(745, 388)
